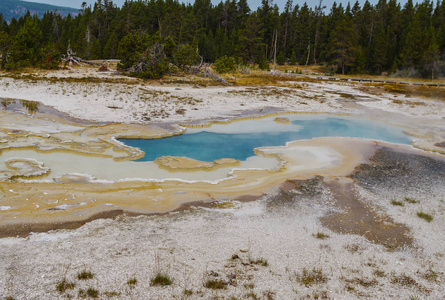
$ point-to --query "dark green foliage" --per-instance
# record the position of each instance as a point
(225, 64)
(50, 57)
(25, 46)
(5, 43)
(343, 45)
(152, 64)
(131, 48)
(263, 64)
(281, 59)
(185, 55)
(384, 37)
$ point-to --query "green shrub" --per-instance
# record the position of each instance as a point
(263, 64)
(225, 64)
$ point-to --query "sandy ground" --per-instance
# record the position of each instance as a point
(278, 247)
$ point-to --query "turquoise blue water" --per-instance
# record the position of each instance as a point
(210, 146)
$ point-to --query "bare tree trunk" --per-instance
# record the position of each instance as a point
(285, 32)
(275, 50)
(308, 53)
(369, 43)
(72, 59)
(317, 29)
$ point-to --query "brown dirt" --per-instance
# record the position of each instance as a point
(359, 218)
(25, 229)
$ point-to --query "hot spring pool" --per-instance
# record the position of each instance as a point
(239, 139)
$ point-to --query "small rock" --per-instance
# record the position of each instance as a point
(235, 256)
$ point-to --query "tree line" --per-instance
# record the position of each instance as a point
(356, 39)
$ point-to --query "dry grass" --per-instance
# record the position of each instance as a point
(85, 275)
(311, 277)
(429, 92)
(64, 285)
(215, 284)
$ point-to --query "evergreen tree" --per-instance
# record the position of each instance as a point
(343, 46)
(372, 38)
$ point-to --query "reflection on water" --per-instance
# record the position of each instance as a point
(16, 105)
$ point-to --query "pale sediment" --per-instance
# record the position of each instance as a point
(308, 217)
(85, 170)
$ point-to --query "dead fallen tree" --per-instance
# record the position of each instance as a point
(71, 59)
(207, 72)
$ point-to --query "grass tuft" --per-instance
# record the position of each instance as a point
(403, 280)
(85, 275)
(161, 279)
(397, 203)
(188, 292)
(379, 273)
(425, 216)
(251, 295)
(90, 292)
(310, 277)
(64, 285)
(112, 294)
(259, 261)
(215, 284)
(431, 275)
(132, 282)
(411, 200)
(250, 285)
(321, 235)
